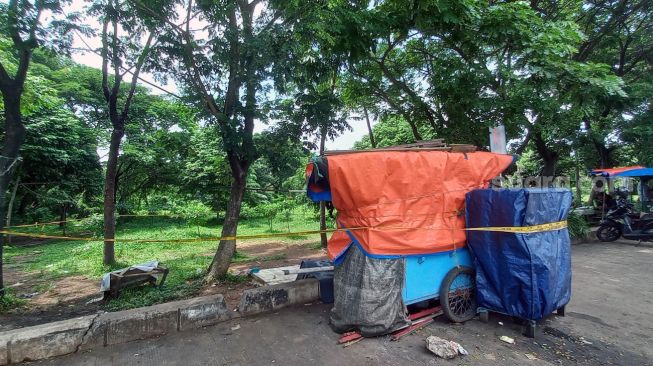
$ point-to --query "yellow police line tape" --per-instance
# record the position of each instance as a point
(523, 229)
(506, 229)
(74, 220)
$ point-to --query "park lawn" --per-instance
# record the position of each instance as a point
(187, 261)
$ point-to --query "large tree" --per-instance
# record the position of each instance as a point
(315, 109)
(224, 64)
(619, 33)
(457, 68)
(22, 21)
(126, 40)
(229, 60)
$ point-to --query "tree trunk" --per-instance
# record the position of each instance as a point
(549, 166)
(10, 208)
(605, 154)
(323, 235)
(109, 196)
(549, 156)
(579, 198)
(62, 217)
(13, 139)
(227, 248)
(369, 128)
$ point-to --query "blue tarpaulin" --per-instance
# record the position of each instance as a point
(642, 172)
(527, 275)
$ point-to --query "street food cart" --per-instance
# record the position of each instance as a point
(402, 236)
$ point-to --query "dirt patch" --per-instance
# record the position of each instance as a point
(265, 255)
(68, 297)
(48, 299)
(277, 254)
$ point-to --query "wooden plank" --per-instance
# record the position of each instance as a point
(349, 337)
(417, 325)
(340, 152)
(423, 143)
(463, 148)
(425, 312)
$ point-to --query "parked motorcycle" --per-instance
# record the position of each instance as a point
(618, 222)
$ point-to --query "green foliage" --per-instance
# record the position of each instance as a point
(206, 171)
(147, 295)
(578, 227)
(59, 155)
(281, 207)
(187, 262)
(94, 223)
(9, 302)
(195, 213)
(570, 81)
(390, 130)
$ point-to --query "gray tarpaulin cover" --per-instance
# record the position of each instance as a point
(145, 267)
(367, 294)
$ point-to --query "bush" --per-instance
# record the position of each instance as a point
(10, 302)
(95, 223)
(196, 213)
(578, 227)
(247, 212)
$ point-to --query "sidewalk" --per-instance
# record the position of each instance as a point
(609, 321)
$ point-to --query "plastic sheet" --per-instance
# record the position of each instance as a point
(527, 275)
(368, 295)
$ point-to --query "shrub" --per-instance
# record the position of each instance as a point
(578, 227)
(10, 302)
(196, 213)
(95, 223)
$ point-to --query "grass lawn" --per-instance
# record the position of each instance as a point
(187, 262)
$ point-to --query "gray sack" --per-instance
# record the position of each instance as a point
(367, 294)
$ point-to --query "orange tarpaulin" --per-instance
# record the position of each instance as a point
(409, 202)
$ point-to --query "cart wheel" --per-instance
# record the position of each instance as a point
(530, 329)
(484, 316)
(458, 294)
(561, 311)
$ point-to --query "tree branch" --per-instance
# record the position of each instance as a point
(105, 59)
(128, 71)
(116, 61)
(137, 70)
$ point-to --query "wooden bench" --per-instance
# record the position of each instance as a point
(132, 277)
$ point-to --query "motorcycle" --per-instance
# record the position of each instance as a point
(619, 222)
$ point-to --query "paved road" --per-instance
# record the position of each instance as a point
(609, 322)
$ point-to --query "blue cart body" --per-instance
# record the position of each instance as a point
(424, 274)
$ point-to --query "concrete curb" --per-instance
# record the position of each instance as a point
(72, 335)
(105, 329)
(269, 298)
(43, 341)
